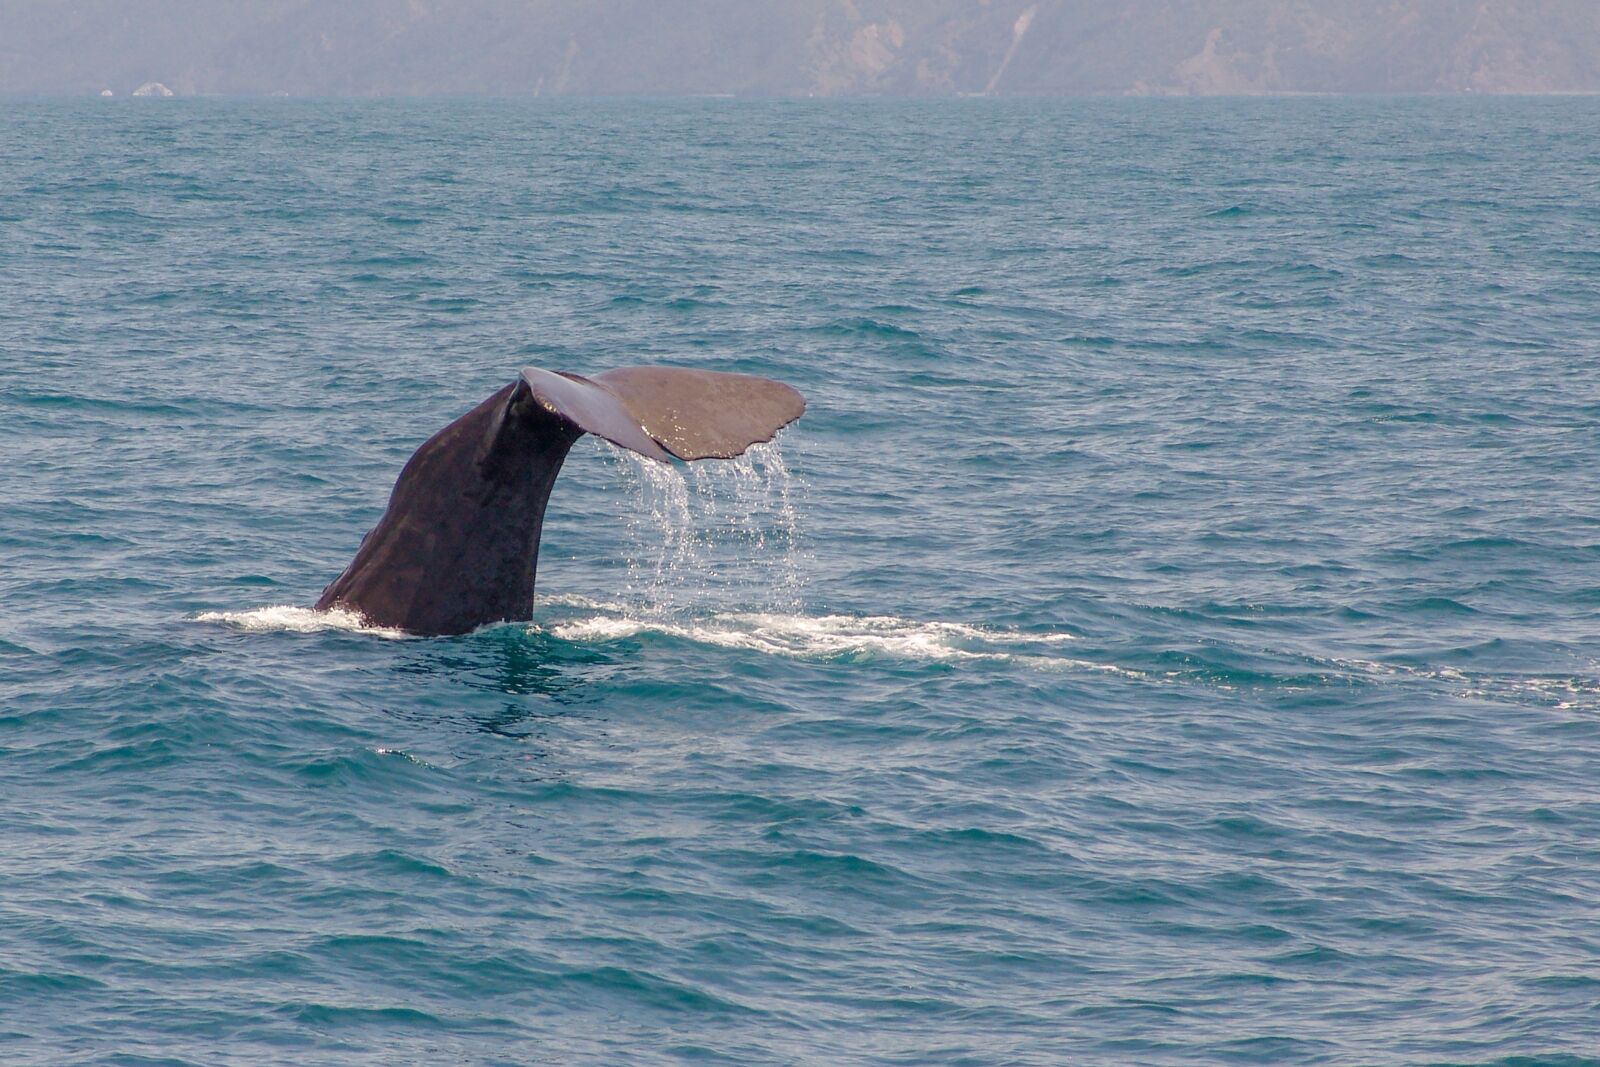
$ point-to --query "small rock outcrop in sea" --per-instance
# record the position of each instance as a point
(153, 89)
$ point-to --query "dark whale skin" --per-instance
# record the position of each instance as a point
(458, 546)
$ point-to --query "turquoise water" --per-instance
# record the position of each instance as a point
(1172, 635)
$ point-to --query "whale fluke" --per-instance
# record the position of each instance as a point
(693, 414)
(699, 414)
(458, 546)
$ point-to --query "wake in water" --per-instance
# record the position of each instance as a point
(803, 636)
(793, 635)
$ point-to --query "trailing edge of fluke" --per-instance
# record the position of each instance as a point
(458, 546)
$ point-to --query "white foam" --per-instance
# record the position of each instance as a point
(578, 600)
(830, 636)
(287, 618)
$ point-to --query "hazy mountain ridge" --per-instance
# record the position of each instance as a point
(801, 47)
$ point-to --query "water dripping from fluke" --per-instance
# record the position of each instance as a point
(718, 534)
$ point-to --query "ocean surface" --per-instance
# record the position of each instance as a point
(1172, 634)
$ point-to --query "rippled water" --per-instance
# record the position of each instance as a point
(1171, 635)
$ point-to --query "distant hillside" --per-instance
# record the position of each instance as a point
(799, 47)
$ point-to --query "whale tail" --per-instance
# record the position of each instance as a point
(458, 546)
